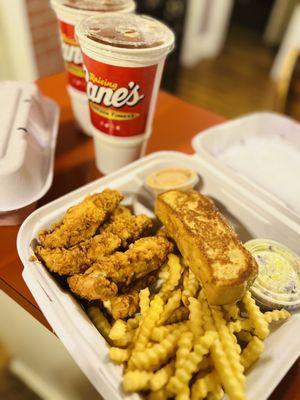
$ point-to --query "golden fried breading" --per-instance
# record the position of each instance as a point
(97, 286)
(124, 229)
(142, 257)
(120, 211)
(78, 258)
(81, 221)
(127, 304)
(129, 228)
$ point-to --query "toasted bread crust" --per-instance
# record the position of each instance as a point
(208, 244)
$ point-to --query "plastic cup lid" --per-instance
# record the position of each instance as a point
(126, 31)
(278, 280)
(98, 5)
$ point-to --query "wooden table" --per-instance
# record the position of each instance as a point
(175, 123)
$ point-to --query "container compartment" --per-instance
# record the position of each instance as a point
(70, 322)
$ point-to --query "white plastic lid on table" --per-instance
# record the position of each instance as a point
(127, 31)
(29, 125)
(98, 5)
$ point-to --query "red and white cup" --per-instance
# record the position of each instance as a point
(69, 13)
(123, 57)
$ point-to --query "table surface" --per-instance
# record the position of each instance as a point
(175, 123)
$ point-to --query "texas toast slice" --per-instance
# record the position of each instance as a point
(208, 244)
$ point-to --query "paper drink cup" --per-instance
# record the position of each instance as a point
(123, 57)
(69, 13)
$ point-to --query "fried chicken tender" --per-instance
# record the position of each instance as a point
(124, 229)
(129, 228)
(78, 258)
(127, 304)
(121, 211)
(81, 221)
(142, 257)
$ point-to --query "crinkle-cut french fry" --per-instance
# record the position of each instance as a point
(228, 340)
(161, 377)
(184, 394)
(184, 374)
(118, 330)
(244, 336)
(232, 386)
(161, 394)
(179, 315)
(216, 394)
(126, 340)
(107, 305)
(185, 345)
(100, 321)
(159, 333)
(133, 323)
(173, 277)
(232, 310)
(252, 352)
(134, 381)
(195, 317)
(172, 304)
(144, 297)
(148, 322)
(261, 328)
(204, 385)
(276, 315)
(190, 286)
(164, 272)
(119, 356)
(151, 359)
(239, 325)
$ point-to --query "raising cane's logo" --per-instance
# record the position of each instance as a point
(119, 97)
(72, 56)
(70, 51)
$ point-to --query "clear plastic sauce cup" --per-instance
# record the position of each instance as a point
(278, 282)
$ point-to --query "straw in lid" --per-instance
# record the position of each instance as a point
(126, 31)
(278, 282)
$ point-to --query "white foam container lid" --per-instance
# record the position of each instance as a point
(67, 318)
(29, 125)
(260, 153)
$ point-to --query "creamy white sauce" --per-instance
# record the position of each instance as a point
(272, 163)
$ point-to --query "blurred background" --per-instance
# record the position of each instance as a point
(232, 57)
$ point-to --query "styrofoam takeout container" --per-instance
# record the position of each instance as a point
(70, 322)
(268, 147)
(29, 125)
